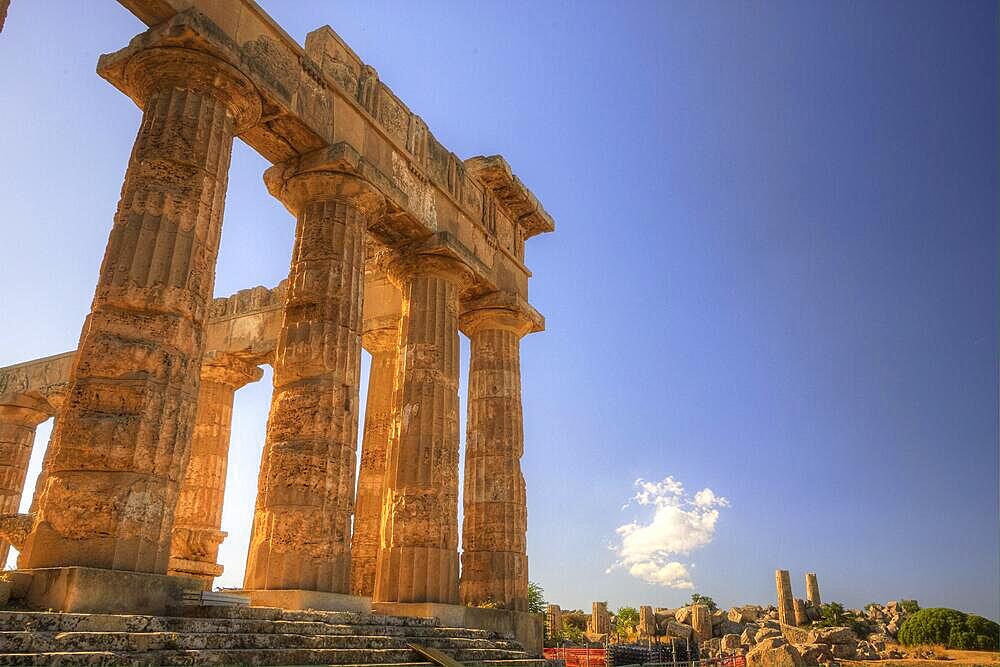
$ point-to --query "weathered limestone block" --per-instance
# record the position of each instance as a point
(121, 443)
(383, 346)
(679, 630)
(836, 635)
(764, 655)
(786, 610)
(418, 559)
(799, 606)
(302, 524)
(683, 615)
(814, 654)
(812, 589)
(198, 517)
(494, 556)
(794, 635)
(730, 642)
(19, 416)
(701, 621)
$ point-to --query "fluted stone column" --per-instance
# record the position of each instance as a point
(812, 589)
(383, 346)
(18, 420)
(122, 441)
(196, 537)
(302, 525)
(799, 607)
(418, 559)
(494, 558)
(786, 608)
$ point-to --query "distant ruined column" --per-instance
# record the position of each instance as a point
(196, 536)
(701, 621)
(799, 605)
(494, 552)
(786, 609)
(302, 524)
(600, 620)
(18, 420)
(382, 344)
(121, 443)
(553, 619)
(812, 589)
(418, 559)
(647, 621)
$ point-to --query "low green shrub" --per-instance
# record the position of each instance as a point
(951, 628)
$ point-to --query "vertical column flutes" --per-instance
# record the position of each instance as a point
(196, 536)
(786, 607)
(418, 559)
(302, 523)
(18, 421)
(812, 589)
(121, 442)
(383, 345)
(494, 552)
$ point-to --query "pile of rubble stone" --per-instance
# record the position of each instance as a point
(754, 631)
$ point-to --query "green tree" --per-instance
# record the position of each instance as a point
(951, 628)
(698, 598)
(909, 606)
(627, 619)
(833, 615)
(536, 598)
(573, 634)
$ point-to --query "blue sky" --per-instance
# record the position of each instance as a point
(774, 273)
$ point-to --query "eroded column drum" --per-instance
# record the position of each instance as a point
(418, 559)
(196, 536)
(121, 443)
(494, 558)
(302, 524)
(17, 437)
(382, 344)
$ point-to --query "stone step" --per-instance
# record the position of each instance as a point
(53, 622)
(56, 642)
(256, 657)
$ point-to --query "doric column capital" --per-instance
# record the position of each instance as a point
(401, 266)
(498, 310)
(24, 410)
(229, 370)
(162, 68)
(321, 176)
(381, 340)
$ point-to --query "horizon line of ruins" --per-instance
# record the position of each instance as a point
(791, 611)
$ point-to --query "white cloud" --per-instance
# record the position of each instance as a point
(679, 525)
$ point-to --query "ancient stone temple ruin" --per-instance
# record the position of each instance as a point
(400, 247)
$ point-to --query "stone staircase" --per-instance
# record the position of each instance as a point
(244, 636)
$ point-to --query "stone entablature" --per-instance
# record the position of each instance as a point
(428, 188)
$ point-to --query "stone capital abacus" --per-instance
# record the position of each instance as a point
(401, 266)
(323, 175)
(165, 67)
(229, 370)
(381, 340)
(498, 310)
(25, 411)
